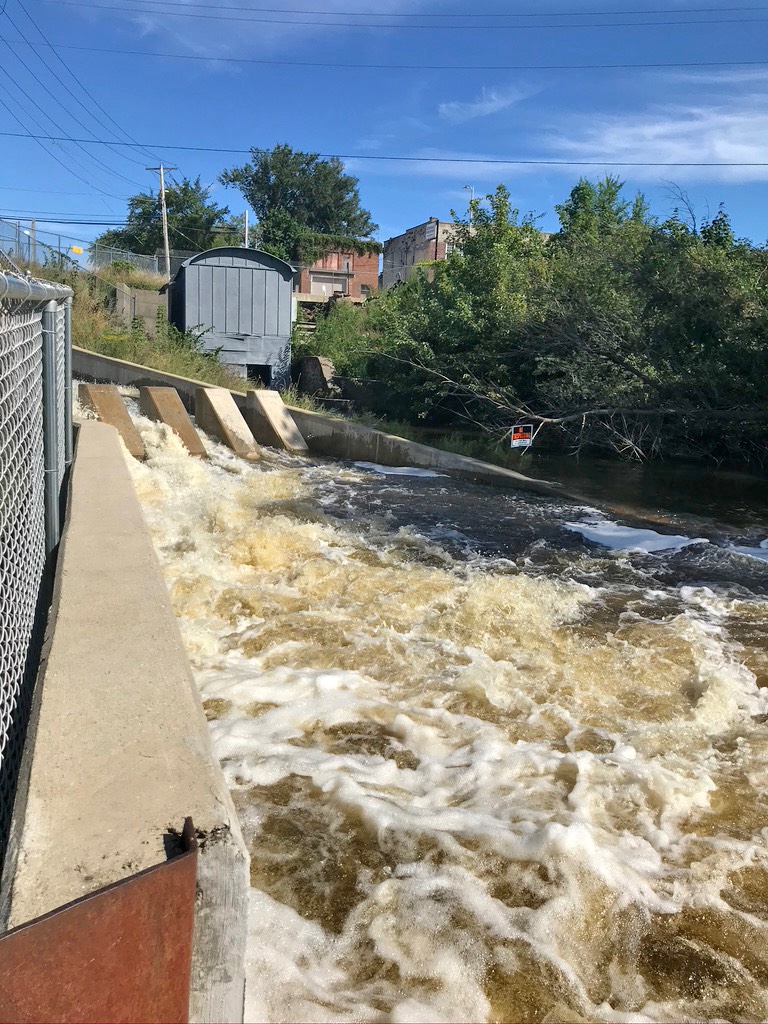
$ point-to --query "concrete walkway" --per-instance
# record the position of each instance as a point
(121, 752)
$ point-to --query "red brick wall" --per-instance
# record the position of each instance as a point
(364, 270)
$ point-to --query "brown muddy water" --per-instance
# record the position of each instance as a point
(496, 757)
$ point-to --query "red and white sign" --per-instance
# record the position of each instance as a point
(522, 435)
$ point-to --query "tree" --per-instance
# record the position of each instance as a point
(618, 333)
(594, 209)
(299, 200)
(194, 221)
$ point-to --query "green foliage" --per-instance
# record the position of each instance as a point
(194, 221)
(123, 272)
(643, 337)
(305, 205)
(341, 336)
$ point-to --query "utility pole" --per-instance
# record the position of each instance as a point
(33, 241)
(471, 190)
(246, 227)
(161, 170)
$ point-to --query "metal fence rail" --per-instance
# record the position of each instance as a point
(23, 242)
(35, 450)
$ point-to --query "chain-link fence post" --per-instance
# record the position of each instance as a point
(68, 445)
(50, 432)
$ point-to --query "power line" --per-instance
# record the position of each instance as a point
(45, 114)
(409, 67)
(61, 82)
(74, 77)
(27, 134)
(399, 25)
(50, 191)
(10, 215)
(436, 15)
(509, 161)
(28, 214)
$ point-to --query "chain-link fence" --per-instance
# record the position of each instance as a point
(35, 449)
(23, 242)
(103, 255)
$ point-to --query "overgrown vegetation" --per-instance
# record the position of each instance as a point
(123, 272)
(620, 332)
(171, 350)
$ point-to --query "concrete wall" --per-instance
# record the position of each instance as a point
(346, 440)
(142, 303)
(119, 753)
(106, 370)
(325, 435)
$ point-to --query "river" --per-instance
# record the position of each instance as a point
(497, 757)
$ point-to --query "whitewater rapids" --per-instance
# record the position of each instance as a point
(521, 782)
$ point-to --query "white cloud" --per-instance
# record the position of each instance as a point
(737, 76)
(732, 132)
(453, 165)
(490, 101)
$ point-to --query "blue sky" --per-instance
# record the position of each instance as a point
(609, 116)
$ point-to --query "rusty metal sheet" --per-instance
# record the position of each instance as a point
(121, 954)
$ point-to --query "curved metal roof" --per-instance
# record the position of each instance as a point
(251, 255)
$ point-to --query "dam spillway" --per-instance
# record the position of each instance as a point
(495, 757)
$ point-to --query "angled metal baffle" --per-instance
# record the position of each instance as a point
(120, 954)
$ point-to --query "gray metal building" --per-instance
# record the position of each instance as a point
(243, 300)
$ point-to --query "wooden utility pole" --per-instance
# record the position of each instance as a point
(161, 170)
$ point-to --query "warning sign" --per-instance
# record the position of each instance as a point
(522, 435)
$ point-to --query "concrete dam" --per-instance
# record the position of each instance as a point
(494, 755)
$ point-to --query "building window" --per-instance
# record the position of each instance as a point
(365, 290)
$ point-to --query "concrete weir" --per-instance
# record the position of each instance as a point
(107, 403)
(326, 435)
(165, 406)
(217, 414)
(120, 753)
(271, 422)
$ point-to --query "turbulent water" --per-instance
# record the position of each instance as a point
(496, 758)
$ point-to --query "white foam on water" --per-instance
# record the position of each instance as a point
(375, 467)
(625, 538)
(468, 795)
(760, 552)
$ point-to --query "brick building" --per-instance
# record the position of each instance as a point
(429, 241)
(351, 273)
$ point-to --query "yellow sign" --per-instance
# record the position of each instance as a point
(76, 248)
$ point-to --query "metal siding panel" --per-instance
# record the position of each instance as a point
(205, 298)
(285, 308)
(122, 953)
(271, 301)
(231, 286)
(257, 302)
(219, 300)
(192, 298)
(245, 278)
